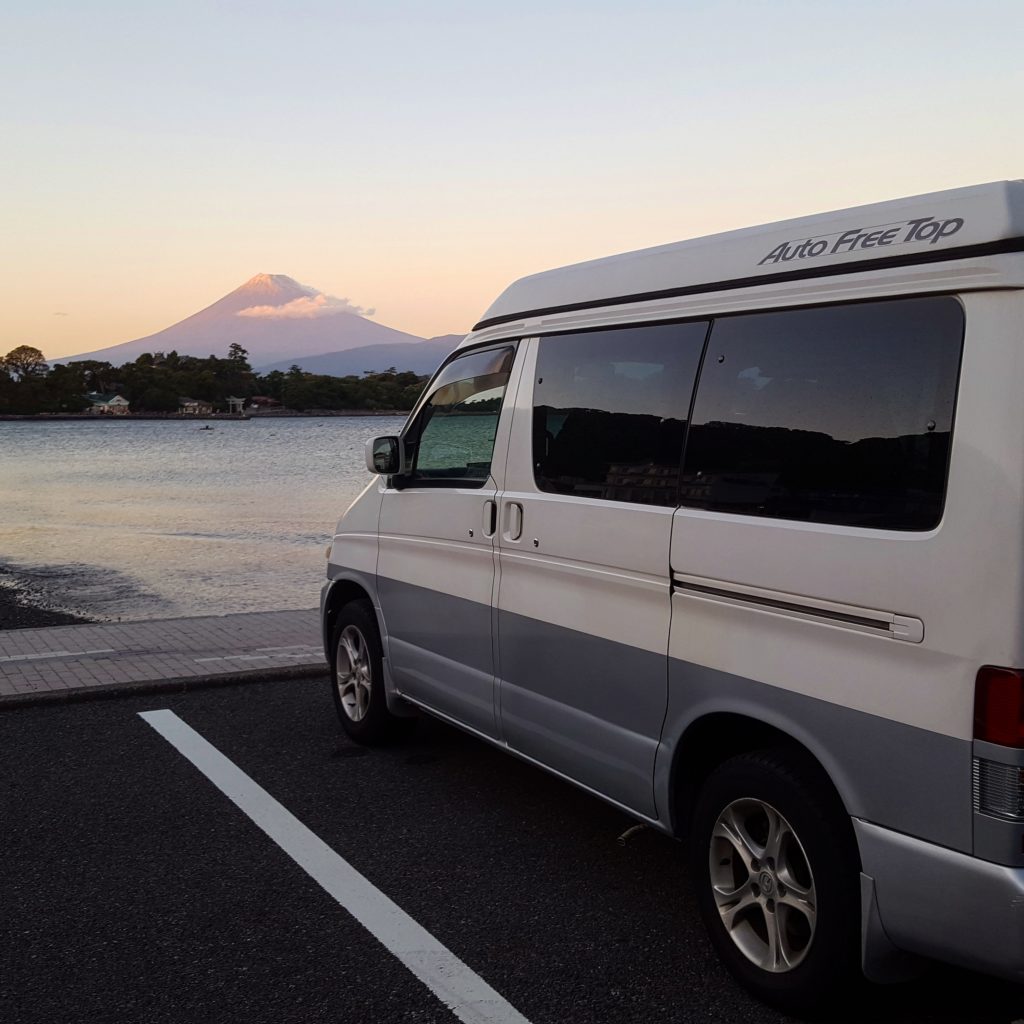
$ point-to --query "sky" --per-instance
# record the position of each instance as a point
(416, 158)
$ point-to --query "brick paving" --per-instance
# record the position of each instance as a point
(62, 662)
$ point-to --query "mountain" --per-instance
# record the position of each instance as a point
(421, 357)
(274, 318)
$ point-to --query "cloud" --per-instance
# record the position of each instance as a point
(308, 307)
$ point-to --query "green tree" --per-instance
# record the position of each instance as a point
(7, 390)
(270, 384)
(66, 387)
(156, 399)
(97, 375)
(25, 362)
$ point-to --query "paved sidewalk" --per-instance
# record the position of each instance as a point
(69, 662)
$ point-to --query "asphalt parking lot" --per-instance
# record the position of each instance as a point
(133, 890)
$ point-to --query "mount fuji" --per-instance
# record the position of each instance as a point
(280, 322)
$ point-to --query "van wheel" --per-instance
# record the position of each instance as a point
(777, 879)
(357, 677)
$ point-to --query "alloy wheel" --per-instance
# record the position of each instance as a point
(352, 674)
(763, 885)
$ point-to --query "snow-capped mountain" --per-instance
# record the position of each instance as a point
(276, 319)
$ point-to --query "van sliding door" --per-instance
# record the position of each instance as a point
(816, 563)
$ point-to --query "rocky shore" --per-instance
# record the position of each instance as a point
(17, 611)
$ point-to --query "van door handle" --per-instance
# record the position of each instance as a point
(513, 520)
(490, 518)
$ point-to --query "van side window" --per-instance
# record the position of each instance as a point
(839, 414)
(452, 440)
(610, 411)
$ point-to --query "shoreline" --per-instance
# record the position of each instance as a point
(17, 611)
(186, 417)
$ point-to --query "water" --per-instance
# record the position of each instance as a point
(138, 519)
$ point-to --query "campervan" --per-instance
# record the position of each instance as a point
(730, 533)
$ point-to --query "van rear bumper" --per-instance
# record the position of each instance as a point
(943, 904)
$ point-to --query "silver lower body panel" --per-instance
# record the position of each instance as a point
(946, 905)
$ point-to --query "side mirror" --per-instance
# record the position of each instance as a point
(384, 455)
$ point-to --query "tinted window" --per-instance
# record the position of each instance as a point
(610, 410)
(453, 438)
(833, 415)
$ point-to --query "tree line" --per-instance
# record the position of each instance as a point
(156, 382)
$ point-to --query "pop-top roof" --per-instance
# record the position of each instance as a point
(962, 222)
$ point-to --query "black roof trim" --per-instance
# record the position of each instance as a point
(884, 263)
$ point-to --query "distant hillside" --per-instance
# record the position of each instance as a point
(274, 318)
(421, 357)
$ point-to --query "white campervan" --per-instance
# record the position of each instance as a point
(731, 534)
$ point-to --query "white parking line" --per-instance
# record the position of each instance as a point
(465, 993)
(56, 654)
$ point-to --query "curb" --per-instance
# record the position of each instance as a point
(182, 684)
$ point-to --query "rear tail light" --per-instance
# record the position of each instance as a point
(999, 706)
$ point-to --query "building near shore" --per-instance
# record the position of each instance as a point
(107, 405)
(194, 407)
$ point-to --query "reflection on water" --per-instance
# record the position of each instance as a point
(146, 519)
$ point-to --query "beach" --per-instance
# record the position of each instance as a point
(19, 610)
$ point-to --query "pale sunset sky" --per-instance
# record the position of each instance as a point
(417, 157)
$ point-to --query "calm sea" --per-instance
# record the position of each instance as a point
(146, 519)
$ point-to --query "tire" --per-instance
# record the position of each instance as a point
(357, 678)
(778, 880)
